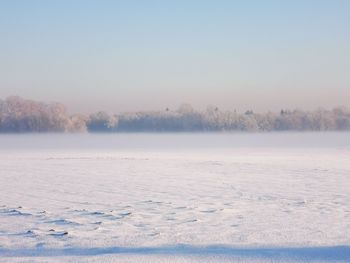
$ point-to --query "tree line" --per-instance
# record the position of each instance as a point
(18, 115)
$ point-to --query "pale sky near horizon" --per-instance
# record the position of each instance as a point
(147, 55)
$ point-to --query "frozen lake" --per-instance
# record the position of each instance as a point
(175, 197)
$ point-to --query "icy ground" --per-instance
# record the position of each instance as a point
(175, 198)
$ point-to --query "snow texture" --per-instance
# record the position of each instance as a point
(179, 198)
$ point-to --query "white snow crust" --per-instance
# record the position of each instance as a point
(175, 198)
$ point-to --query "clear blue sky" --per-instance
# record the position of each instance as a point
(143, 55)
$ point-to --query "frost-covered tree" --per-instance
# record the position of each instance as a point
(101, 122)
(21, 115)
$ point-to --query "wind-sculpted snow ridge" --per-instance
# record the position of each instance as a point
(20, 115)
(230, 203)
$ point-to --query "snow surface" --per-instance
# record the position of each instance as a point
(175, 197)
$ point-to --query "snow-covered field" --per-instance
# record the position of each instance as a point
(175, 197)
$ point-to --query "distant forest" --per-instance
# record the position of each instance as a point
(18, 115)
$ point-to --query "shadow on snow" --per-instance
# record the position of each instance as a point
(310, 253)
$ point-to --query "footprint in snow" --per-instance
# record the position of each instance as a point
(191, 221)
(208, 211)
(30, 233)
(63, 222)
(97, 223)
(59, 234)
(124, 214)
(97, 213)
(181, 207)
